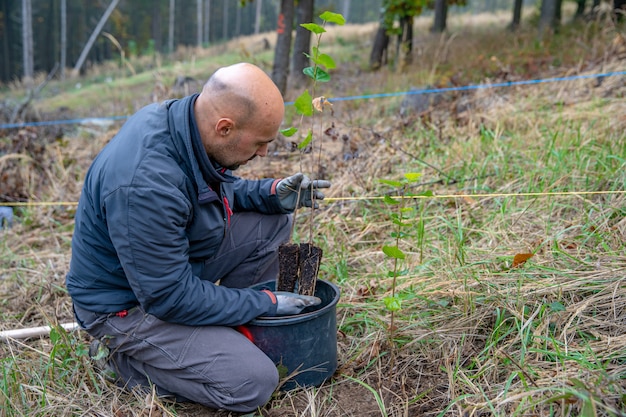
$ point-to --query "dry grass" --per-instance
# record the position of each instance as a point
(534, 169)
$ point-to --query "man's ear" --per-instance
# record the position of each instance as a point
(224, 126)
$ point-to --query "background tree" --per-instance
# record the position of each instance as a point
(199, 26)
(63, 37)
(94, 35)
(550, 15)
(257, 16)
(302, 44)
(27, 39)
(280, 70)
(517, 14)
(441, 16)
(404, 11)
(170, 39)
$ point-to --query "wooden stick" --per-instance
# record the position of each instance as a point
(33, 331)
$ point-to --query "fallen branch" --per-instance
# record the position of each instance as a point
(33, 331)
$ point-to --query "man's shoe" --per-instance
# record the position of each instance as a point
(99, 354)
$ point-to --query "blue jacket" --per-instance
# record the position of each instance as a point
(147, 219)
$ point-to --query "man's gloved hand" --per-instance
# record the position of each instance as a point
(287, 191)
(289, 303)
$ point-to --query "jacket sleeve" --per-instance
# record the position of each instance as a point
(257, 195)
(147, 228)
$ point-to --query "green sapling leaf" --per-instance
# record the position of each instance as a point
(557, 306)
(326, 61)
(331, 17)
(393, 252)
(392, 183)
(412, 176)
(289, 132)
(55, 336)
(306, 141)
(317, 74)
(392, 303)
(313, 27)
(390, 200)
(398, 222)
(304, 104)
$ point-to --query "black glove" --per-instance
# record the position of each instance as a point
(287, 191)
(289, 303)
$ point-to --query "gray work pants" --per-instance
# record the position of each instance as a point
(212, 365)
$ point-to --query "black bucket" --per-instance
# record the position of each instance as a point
(306, 343)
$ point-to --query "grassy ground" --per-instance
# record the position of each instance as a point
(510, 299)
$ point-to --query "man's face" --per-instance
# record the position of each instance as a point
(241, 146)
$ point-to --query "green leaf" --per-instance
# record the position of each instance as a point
(392, 303)
(331, 17)
(55, 336)
(399, 222)
(412, 176)
(557, 306)
(317, 74)
(390, 200)
(326, 61)
(289, 132)
(392, 183)
(313, 27)
(316, 53)
(304, 104)
(306, 140)
(393, 252)
(393, 274)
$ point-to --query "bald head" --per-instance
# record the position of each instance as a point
(243, 92)
(238, 113)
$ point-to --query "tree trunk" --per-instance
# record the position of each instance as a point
(257, 17)
(580, 9)
(345, 10)
(406, 38)
(237, 21)
(280, 71)
(619, 9)
(207, 20)
(94, 35)
(225, 20)
(6, 51)
(199, 23)
(302, 44)
(27, 41)
(63, 37)
(517, 15)
(548, 15)
(378, 56)
(441, 16)
(170, 37)
(155, 29)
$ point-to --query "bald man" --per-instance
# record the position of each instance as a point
(167, 243)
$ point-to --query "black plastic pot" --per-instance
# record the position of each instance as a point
(304, 344)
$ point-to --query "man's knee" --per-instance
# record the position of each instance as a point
(254, 391)
(263, 384)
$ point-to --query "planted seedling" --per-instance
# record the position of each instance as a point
(299, 263)
(401, 217)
